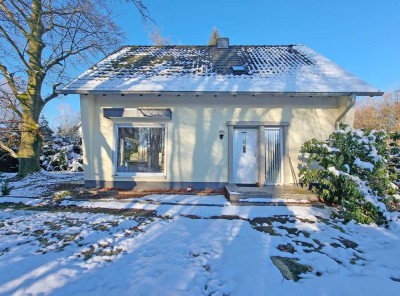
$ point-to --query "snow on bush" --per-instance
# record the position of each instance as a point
(62, 154)
(350, 169)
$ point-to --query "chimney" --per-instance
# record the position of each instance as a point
(222, 42)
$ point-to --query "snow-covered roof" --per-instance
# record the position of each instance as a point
(269, 69)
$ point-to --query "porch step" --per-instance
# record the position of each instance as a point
(270, 194)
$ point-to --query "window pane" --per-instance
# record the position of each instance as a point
(141, 149)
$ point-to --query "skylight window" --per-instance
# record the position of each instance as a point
(239, 69)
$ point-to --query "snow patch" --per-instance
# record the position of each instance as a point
(363, 164)
(187, 199)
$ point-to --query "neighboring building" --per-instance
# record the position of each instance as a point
(204, 116)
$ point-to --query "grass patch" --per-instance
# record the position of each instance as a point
(101, 227)
(290, 268)
(356, 259)
(266, 229)
(348, 243)
(288, 248)
(59, 195)
(44, 241)
(87, 254)
(5, 250)
(52, 225)
(38, 232)
(66, 237)
(295, 231)
(263, 225)
(92, 252)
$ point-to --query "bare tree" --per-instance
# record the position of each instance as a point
(39, 40)
(366, 114)
(212, 40)
(157, 39)
(382, 113)
(68, 122)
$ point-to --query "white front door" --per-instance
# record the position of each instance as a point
(245, 166)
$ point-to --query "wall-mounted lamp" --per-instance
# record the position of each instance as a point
(221, 134)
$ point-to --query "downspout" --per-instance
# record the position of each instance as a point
(349, 106)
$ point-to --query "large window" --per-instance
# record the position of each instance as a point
(141, 149)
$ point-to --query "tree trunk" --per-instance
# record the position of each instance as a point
(31, 141)
(31, 101)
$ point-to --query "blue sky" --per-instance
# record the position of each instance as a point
(362, 36)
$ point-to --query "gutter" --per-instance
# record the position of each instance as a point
(349, 106)
(194, 92)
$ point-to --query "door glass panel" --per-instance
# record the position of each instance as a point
(273, 155)
(244, 139)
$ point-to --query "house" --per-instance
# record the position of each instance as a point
(163, 117)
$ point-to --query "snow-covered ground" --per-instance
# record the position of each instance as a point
(70, 253)
(194, 245)
(40, 184)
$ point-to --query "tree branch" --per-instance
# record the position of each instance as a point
(63, 13)
(14, 45)
(64, 56)
(144, 12)
(12, 19)
(20, 10)
(9, 150)
(54, 93)
(14, 108)
(10, 81)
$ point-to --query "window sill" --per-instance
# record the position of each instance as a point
(140, 175)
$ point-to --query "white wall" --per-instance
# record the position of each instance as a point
(194, 151)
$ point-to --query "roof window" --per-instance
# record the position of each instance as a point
(239, 69)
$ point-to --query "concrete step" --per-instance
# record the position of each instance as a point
(270, 194)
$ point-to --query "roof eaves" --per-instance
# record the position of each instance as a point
(294, 94)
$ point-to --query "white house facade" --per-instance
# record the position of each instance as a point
(205, 116)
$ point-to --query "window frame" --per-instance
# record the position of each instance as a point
(117, 126)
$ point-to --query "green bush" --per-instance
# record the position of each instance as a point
(350, 169)
(5, 187)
